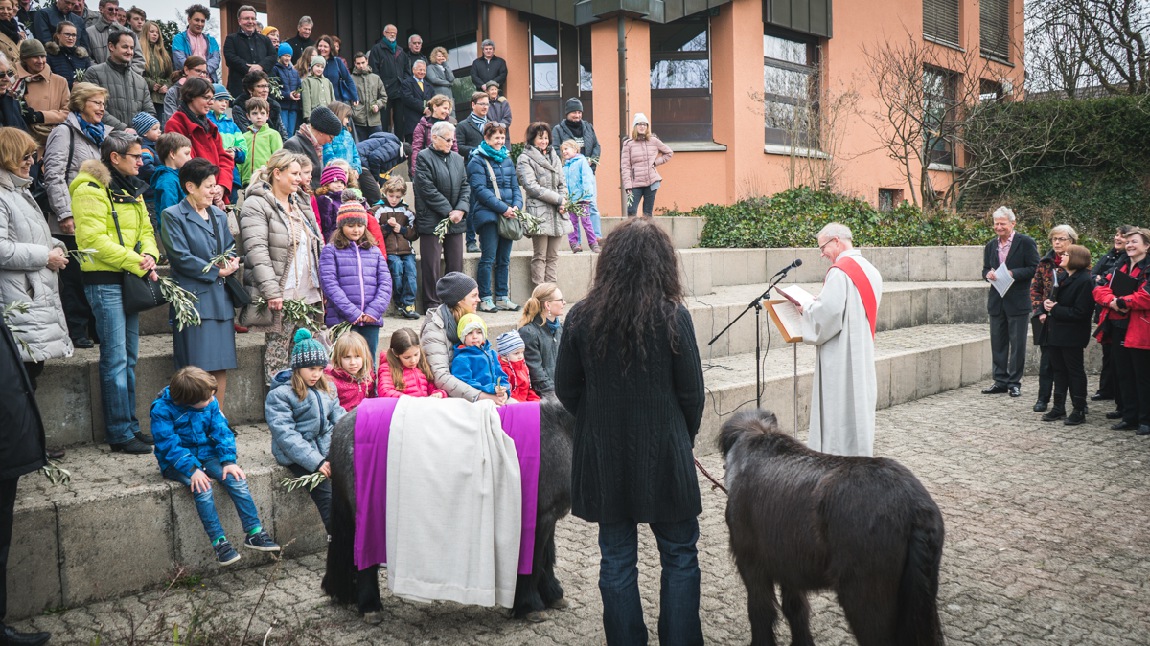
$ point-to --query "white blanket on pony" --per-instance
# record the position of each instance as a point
(453, 503)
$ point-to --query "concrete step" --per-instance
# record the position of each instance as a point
(69, 390)
(120, 527)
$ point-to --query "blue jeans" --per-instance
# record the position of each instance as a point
(206, 504)
(678, 586)
(496, 251)
(596, 226)
(469, 237)
(290, 121)
(119, 346)
(370, 333)
(402, 278)
(645, 193)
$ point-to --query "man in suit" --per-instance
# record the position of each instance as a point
(414, 93)
(246, 51)
(1009, 312)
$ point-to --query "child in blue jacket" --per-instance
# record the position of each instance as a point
(194, 446)
(290, 106)
(173, 150)
(475, 361)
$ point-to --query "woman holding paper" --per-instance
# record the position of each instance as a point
(1117, 297)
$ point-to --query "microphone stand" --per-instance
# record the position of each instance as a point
(756, 305)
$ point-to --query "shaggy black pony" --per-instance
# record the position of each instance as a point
(863, 527)
(533, 593)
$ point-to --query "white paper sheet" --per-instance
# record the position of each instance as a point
(1002, 279)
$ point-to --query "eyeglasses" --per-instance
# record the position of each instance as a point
(442, 138)
(824, 245)
(98, 104)
(262, 86)
(9, 73)
(1060, 239)
(30, 158)
(202, 71)
(482, 105)
(67, 35)
(558, 300)
(135, 156)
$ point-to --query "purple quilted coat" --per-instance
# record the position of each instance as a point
(355, 281)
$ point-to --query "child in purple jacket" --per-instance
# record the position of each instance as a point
(329, 197)
(354, 276)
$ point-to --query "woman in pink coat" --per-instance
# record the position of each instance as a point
(642, 152)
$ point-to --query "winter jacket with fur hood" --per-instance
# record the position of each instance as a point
(24, 275)
(67, 61)
(96, 229)
(542, 181)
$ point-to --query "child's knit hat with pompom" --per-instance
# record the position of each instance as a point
(469, 322)
(306, 352)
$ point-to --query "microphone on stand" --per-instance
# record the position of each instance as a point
(785, 270)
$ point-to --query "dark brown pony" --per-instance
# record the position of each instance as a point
(863, 527)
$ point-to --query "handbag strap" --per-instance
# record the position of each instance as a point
(115, 216)
(494, 181)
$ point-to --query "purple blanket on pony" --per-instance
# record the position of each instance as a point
(372, 430)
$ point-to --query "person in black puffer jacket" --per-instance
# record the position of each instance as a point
(441, 192)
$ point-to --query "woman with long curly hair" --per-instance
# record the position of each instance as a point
(629, 370)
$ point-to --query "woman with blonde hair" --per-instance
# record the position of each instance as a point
(439, 73)
(642, 152)
(157, 64)
(541, 331)
(281, 244)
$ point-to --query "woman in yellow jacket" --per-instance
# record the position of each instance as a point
(105, 194)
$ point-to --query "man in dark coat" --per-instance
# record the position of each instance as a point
(388, 60)
(302, 40)
(441, 192)
(21, 453)
(45, 20)
(1009, 312)
(247, 51)
(574, 127)
(309, 140)
(489, 67)
(414, 93)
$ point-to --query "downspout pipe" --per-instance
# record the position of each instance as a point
(623, 132)
(483, 26)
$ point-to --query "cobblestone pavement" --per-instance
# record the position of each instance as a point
(1046, 543)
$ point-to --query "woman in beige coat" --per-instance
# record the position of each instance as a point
(641, 154)
(280, 246)
(540, 174)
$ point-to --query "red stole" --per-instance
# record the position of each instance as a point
(854, 271)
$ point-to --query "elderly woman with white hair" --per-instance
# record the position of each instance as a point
(441, 193)
(1017, 255)
(1046, 280)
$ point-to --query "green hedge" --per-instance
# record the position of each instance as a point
(792, 218)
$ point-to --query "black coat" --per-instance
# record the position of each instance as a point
(21, 429)
(391, 67)
(631, 456)
(1068, 322)
(467, 137)
(242, 51)
(562, 132)
(540, 350)
(411, 101)
(483, 71)
(440, 187)
(298, 44)
(1022, 261)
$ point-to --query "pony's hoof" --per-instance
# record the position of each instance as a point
(559, 604)
(536, 617)
(373, 618)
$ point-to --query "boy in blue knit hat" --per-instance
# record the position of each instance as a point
(195, 445)
(147, 126)
(290, 108)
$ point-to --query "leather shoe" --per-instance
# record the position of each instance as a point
(1114, 414)
(1143, 430)
(994, 390)
(11, 636)
(146, 439)
(1015, 391)
(1077, 417)
(132, 446)
(1040, 406)
(1099, 397)
(54, 454)
(1123, 426)
(83, 342)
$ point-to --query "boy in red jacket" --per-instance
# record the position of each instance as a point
(510, 348)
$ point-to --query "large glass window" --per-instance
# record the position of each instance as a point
(681, 79)
(940, 21)
(560, 68)
(790, 90)
(938, 107)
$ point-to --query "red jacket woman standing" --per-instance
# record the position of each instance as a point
(191, 120)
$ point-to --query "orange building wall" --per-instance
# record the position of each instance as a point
(512, 44)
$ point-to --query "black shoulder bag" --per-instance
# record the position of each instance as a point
(139, 294)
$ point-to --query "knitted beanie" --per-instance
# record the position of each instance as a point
(268, 30)
(454, 287)
(469, 323)
(318, 60)
(332, 174)
(143, 122)
(509, 342)
(351, 212)
(639, 118)
(325, 121)
(30, 47)
(572, 105)
(306, 351)
(221, 92)
(284, 50)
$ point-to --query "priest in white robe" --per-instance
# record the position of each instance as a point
(840, 323)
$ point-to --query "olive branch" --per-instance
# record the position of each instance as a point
(295, 312)
(530, 222)
(56, 474)
(183, 303)
(441, 229)
(11, 309)
(221, 259)
(310, 481)
(82, 255)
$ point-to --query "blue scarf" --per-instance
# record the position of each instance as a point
(478, 121)
(94, 131)
(390, 44)
(494, 155)
(552, 326)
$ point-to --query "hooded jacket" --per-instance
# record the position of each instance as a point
(439, 344)
(261, 144)
(315, 91)
(96, 228)
(182, 49)
(415, 383)
(639, 159)
(397, 242)
(166, 189)
(186, 436)
(67, 61)
(301, 429)
(478, 367)
(487, 206)
(289, 82)
(265, 234)
(380, 153)
(128, 93)
(519, 378)
(580, 179)
(371, 93)
(24, 275)
(350, 391)
(47, 94)
(355, 282)
(544, 184)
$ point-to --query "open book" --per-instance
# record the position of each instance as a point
(797, 295)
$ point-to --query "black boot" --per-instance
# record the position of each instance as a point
(1040, 406)
(1077, 417)
(9, 635)
(1059, 410)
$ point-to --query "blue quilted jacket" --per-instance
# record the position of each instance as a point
(187, 436)
(479, 367)
(485, 207)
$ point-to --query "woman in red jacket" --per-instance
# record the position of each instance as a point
(1125, 332)
(191, 120)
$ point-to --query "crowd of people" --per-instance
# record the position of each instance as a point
(279, 191)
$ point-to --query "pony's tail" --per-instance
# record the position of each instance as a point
(918, 623)
(748, 422)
